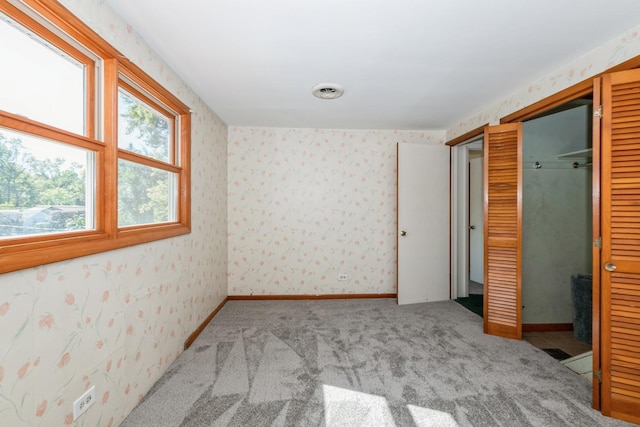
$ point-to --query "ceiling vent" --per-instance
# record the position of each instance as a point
(327, 91)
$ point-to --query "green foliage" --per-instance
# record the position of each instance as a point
(56, 185)
(75, 222)
(16, 184)
(26, 182)
(148, 128)
(142, 194)
(143, 190)
(158, 200)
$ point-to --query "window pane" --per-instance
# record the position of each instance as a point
(146, 195)
(142, 129)
(43, 186)
(38, 81)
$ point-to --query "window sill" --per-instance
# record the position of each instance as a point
(22, 256)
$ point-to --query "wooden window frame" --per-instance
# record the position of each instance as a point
(140, 95)
(31, 251)
(48, 35)
(176, 156)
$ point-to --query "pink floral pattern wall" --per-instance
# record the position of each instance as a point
(116, 320)
(306, 205)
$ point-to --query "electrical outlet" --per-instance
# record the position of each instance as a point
(343, 276)
(84, 402)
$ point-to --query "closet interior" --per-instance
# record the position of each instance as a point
(557, 229)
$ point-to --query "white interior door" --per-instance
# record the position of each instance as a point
(476, 220)
(423, 223)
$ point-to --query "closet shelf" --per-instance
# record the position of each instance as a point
(580, 154)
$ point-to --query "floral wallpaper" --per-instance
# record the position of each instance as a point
(614, 52)
(116, 320)
(306, 205)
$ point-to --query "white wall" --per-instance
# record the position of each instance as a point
(116, 320)
(308, 204)
(556, 218)
(614, 52)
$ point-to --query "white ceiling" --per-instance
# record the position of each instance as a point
(404, 64)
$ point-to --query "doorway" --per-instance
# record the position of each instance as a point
(461, 200)
(615, 246)
(557, 230)
(476, 222)
(557, 207)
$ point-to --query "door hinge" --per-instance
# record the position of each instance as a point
(598, 242)
(598, 375)
(598, 112)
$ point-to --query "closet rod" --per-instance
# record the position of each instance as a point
(555, 165)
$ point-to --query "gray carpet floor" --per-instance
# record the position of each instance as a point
(362, 363)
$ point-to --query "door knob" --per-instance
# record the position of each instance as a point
(610, 266)
(472, 227)
(403, 233)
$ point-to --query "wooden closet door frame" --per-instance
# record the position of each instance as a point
(596, 141)
(620, 258)
(591, 85)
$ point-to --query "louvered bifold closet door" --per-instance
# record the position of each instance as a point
(620, 181)
(503, 230)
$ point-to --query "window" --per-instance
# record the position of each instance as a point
(31, 90)
(147, 159)
(44, 186)
(94, 154)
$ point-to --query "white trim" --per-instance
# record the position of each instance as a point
(460, 216)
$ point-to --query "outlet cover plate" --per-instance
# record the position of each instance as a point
(83, 403)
